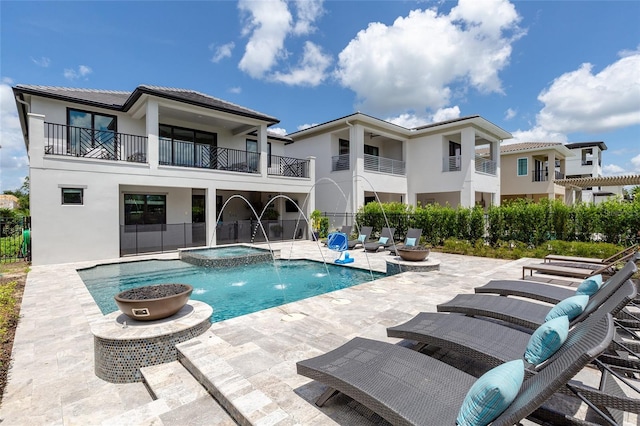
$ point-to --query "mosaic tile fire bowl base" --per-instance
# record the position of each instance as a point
(122, 346)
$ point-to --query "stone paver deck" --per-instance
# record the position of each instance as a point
(52, 378)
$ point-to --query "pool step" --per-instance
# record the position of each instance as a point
(246, 404)
(178, 399)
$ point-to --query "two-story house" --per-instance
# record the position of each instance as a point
(116, 172)
(360, 158)
(530, 170)
(587, 163)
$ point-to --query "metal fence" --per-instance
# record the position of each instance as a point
(15, 239)
(249, 231)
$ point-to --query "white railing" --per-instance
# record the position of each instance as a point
(452, 164)
(340, 162)
(374, 163)
(486, 166)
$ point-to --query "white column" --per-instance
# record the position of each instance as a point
(153, 127)
(356, 160)
(311, 202)
(468, 161)
(36, 140)
(262, 149)
(211, 217)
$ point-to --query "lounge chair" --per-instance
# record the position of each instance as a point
(365, 231)
(411, 239)
(406, 387)
(385, 241)
(577, 259)
(525, 313)
(577, 270)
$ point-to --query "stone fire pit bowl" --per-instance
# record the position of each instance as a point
(153, 302)
(413, 253)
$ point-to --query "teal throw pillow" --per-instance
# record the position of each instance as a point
(411, 242)
(571, 307)
(491, 394)
(362, 237)
(590, 286)
(547, 339)
(383, 240)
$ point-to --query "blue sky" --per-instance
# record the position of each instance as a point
(564, 71)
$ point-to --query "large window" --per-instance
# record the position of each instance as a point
(371, 150)
(145, 209)
(343, 146)
(187, 147)
(91, 133)
(252, 155)
(523, 166)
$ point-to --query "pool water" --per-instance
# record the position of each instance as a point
(230, 291)
(227, 251)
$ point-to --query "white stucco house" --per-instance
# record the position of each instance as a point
(116, 172)
(359, 156)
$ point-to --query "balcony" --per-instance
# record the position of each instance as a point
(486, 166)
(204, 156)
(83, 142)
(452, 163)
(340, 162)
(288, 166)
(374, 163)
(543, 175)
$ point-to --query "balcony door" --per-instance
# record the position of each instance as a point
(91, 134)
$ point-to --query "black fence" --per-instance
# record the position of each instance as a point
(15, 239)
(249, 231)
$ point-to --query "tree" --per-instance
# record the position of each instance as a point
(22, 195)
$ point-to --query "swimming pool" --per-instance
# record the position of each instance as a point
(230, 291)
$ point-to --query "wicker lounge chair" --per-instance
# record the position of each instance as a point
(377, 245)
(365, 231)
(526, 313)
(577, 270)
(414, 233)
(406, 387)
(577, 259)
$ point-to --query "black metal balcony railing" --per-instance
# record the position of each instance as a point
(191, 154)
(74, 141)
(340, 162)
(288, 166)
(543, 175)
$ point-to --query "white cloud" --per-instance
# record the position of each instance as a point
(221, 52)
(536, 134)
(510, 114)
(235, 90)
(306, 126)
(444, 114)
(13, 155)
(583, 101)
(612, 169)
(43, 61)
(267, 24)
(278, 131)
(310, 72)
(636, 163)
(71, 74)
(412, 120)
(419, 61)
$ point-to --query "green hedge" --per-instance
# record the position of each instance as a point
(613, 221)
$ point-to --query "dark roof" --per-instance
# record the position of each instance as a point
(440, 123)
(599, 144)
(121, 100)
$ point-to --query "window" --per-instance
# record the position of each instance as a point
(343, 146)
(252, 155)
(73, 196)
(268, 154)
(145, 209)
(523, 167)
(371, 150)
(187, 147)
(91, 134)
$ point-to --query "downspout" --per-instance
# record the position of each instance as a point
(26, 120)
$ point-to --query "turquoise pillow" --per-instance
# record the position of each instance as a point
(362, 237)
(571, 307)
(411, 242)
(383, 240)
(590, 286)
(547, 339)
(491, 394)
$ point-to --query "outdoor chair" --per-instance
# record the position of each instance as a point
(411, 239)
(577, 270)
(406, 387)
(363, 236)
(385, 241)
(577, 259)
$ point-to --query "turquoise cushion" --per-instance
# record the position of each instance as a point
(362, 237)
(590, 286)
(547, 339)
(571, 307)
(411, 242)
(383, 240)
(491, 394)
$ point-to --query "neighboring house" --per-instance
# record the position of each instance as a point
(359, 157)
(113, 173)
(530, 169)
(8, 201)
(587, 163)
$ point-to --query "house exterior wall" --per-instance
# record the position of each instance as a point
(91, 231)
(514, 186)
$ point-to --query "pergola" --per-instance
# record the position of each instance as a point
(587, 182)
